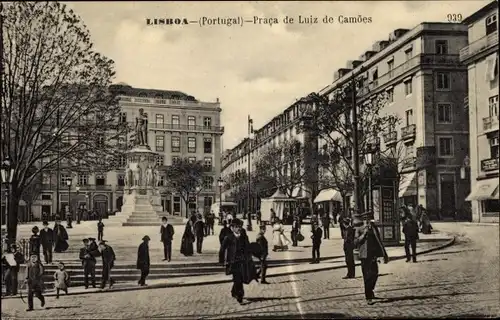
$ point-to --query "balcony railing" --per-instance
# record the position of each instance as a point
(169, 102)
(184, 127)
(409, 163)
(479, 45)
(490, 123)
(390, 137)
(421, 59)
(489, 164)
(409, 132)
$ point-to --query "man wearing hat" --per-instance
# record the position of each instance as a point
(47, 240)
(94, 247)
(199, 232)
(88, 262)
(348, 235)
(34, 279)
(143, 262)
(35, 242)
(367, 239)
(108, 261)
(12, 261)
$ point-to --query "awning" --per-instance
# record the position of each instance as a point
(328, 195)
(483, 190)
(408, 185)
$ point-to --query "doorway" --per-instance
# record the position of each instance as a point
(46, 212)
(100, 207)
(447, 194)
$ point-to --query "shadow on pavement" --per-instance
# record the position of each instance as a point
(261, 299)
(384, 274)
(290, 281)
(432, 260)
(62, 307)
(449, 252)
(298, 316)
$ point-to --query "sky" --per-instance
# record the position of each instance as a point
(254, 69)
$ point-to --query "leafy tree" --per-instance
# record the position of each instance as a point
(57, 112)
(185, 177)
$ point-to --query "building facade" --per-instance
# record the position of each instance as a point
(179, 127)
(420, 72)
(481, 58)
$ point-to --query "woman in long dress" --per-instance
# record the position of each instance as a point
(61, 237)
(280, 241)
(188, 240)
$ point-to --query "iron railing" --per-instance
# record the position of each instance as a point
(479, 45)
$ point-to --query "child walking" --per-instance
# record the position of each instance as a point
(61, 278)
(100, 230)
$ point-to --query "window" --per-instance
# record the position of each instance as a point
(100, 180)
(207, 145)
(445, 147)
(491, 206)
(208, 182)
(207, 163)
(390, 66)
(177, 204)
(63, 178)
(175, 159)
(375, 75)
(409, 54)
(390, 95)
(409, 117)
(123, 117)
(408, 87)
(175, 121)
(83, 179)
(207, 122)
(191, 122)
(176, 144)
(493, 106)
(162, 181)
(121, 180)
(491, 67)
(46, 197)
(441, 46)
(443, 81)
(192, 160)
(122, 161)
(45, 178)
(494, 148)
(491, 24)
(160, 143)
(159, 120)
(444, 113)
(191, 144)
(160, 160)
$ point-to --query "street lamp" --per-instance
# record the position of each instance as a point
(7, 171)
(220, 183)
(198, 190)
(79, 210)
(369, 163)
(68, 214)
(55, 132)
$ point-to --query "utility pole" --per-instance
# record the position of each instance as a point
(355, 153)
(249, 195)
(58, 178)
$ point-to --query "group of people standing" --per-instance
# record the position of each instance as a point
(49, 240)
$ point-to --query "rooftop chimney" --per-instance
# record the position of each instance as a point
(343, 71)
(367, 55)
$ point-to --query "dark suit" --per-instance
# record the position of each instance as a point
(88, 262)
(35, 282)
(108, 261)
(295, 232)
(316, 243)
(348, 236)
(47, 240)
(370, 248)
(410, 229)
(167, 235)
(326, 225)
(262, 241)
(34, 245)
(143, 262)
(235, 253)
(199, 232)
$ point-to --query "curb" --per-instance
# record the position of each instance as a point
(447, 244)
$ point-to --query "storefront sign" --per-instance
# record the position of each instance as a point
(489, 164)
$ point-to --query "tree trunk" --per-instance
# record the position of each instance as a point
(12, 212)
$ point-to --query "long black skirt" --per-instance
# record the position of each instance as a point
(187, 247)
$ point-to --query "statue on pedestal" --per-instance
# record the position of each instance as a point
(141, 128)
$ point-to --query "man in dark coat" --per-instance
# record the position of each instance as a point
(367, 239)
(262, 241)
(87, 256)
(108, 261)
(35, 242)
(295, 230)
(167, 235)
(199, 232)
(348, 236)
(34, 279)
(316, 242)
(410, 230)
(47, 240)
(325, 220)
(60, 237)
(12, 261)
(210, 223)
(143, 262)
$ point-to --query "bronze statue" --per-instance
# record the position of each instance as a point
(141, 128)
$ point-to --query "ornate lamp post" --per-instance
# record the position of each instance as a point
(369, 163)
(198, 190)
(68, 214)
(220, 183)
(78, 210)
(7, 171)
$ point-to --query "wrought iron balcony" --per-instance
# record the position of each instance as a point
(185, 128)
(490, 124)
(409, 132)
(482, 44)
(390, 137)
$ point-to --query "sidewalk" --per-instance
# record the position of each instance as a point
(428, 244)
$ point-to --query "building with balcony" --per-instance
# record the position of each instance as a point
(481, 58)
(179, 127)
(283, 127)
(420, 73)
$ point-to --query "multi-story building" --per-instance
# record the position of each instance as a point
(179, 127)
(425, 82)
(281, 128)
(481, 58)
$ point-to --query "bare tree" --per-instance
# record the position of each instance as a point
(285, 163)
(57, 112)
(185, 177)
